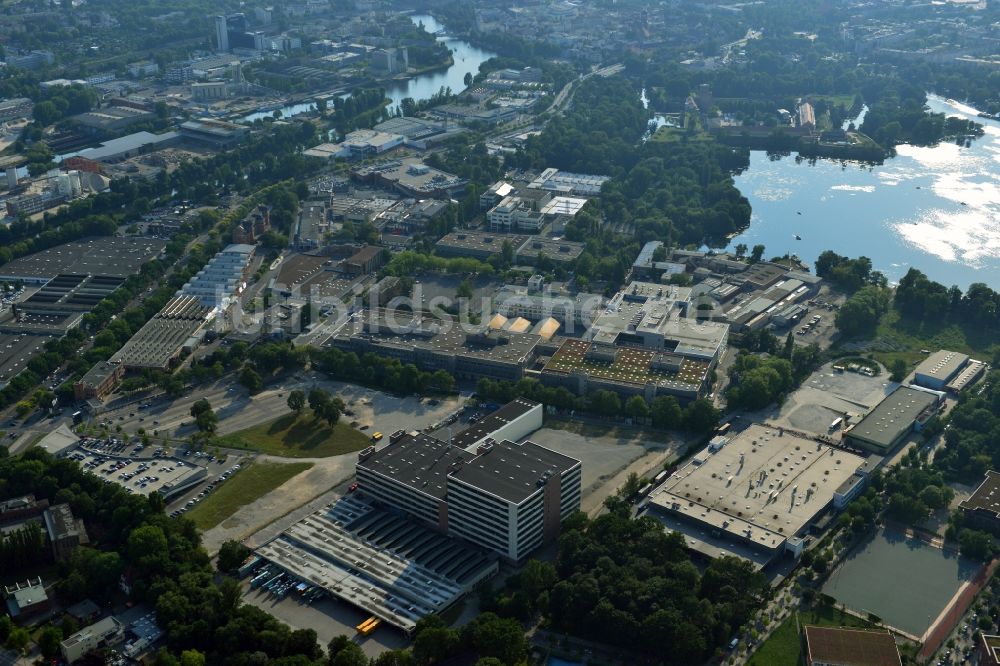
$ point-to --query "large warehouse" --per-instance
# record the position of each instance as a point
(749, 494)
(883, 428)
(939, 368)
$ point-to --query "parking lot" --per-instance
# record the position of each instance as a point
(140, 476)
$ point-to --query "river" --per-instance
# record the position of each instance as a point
(467, 58)
(935, 208)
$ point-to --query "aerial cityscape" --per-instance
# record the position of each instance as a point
(541, 333)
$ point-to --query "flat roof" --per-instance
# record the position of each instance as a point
(58, 440)
(115, 147)
(942, 364)
(986, 497)
(763, 485)
(851, 647)
(892, 417)
(60, 522)
(631, 365)
(491, 242)
(421, 462)
(513, 472)
(106, 255)
(513, 410)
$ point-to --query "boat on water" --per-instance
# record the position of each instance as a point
(797, 237)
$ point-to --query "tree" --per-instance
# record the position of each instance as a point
(297, 400)
(898, 370)
(976, 544)
(250, 379)
(192, 658)
(741, 250)
(604, 402)
(18, 639)
(48, 642)
(231, 556)
(757, 253)
(200, 407)
(701, 416)
(636, 407)
(317, 399)
(666, 412)
(350, 655)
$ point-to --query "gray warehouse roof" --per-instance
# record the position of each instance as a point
(493, 422)
(942, 364)
(893, 416)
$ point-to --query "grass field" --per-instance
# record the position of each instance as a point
(299, 436)
(242, 488)
(908, 339)
(784, 646)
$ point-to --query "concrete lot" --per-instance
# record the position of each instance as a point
(827, 395)
(329, 617)
(607, 459)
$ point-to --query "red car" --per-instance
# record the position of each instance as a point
(352, 488)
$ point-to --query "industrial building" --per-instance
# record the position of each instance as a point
(967, 376)
(103, 633)
(574, 312)
(216, 133)
(112, 118)
(412, 177)
(582, 367)
(842, 646)
(103, 256)
(122, 148)
(223, 277)
(386, 565)
(512, 422)
(161, 340)
(661, 318)
(982, 508)
(508, 498)
(481, 245)
(753, 494)
(935, 371)
(904, 410)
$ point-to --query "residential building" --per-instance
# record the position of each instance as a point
(249, 230)
(27, 599)
(221, 34)
(65, 531)
(19, 509)
(142, 69)
(104, 633)
(31, 60)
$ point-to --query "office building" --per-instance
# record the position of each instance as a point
(99, 382)
(508, 498)
(566, 183)
(574, 312)
(904, 410)
(981, 510)
(221, 34)
(412, 177)
(390, 61)
(842, 646)
(104, 633)
(935, 371)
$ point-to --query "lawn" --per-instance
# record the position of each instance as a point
(784, 646)
(907, 339)
(247, 485)
(298, 436)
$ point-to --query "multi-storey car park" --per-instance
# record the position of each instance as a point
(382, 563)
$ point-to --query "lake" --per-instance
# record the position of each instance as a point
(935, 208)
